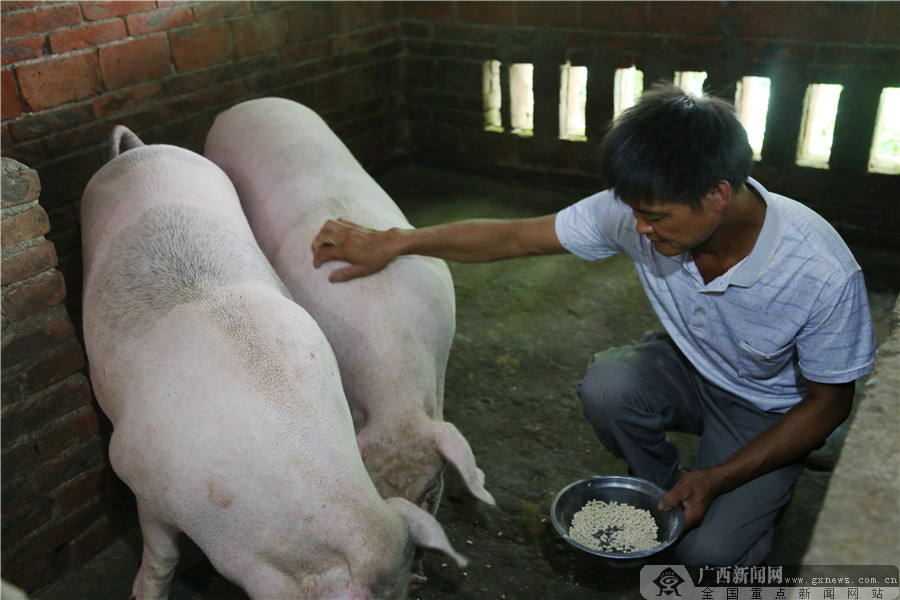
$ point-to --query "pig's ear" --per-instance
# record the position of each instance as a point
(454, 447)
(424, 529)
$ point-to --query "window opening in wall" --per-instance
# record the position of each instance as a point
(572, 102)
(751, 100)
(493, 99)
(817, 128)
(521, 96)
(627, 89)
(691, 82)
(885, 154)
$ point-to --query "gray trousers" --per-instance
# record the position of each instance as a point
(633, 395)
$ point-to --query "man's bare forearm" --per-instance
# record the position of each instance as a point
(802, 429)
(476, 240)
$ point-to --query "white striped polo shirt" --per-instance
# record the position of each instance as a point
(795, 308)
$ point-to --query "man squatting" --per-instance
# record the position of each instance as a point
(765, 311)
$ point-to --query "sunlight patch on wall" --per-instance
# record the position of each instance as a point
(627, 89)
(885, 154)
(817, 128)
(752, 103)
(493, 98)
(521, 96)
(572, 102)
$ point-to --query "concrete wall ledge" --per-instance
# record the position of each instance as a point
(859, 523)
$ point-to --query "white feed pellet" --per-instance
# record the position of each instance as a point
(614, 527)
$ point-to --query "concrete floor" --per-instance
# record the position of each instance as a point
(530, 561)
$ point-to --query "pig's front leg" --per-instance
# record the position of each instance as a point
(159, 560)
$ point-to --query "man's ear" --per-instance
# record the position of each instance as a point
(720, 196)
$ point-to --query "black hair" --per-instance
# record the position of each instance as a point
(675, 147)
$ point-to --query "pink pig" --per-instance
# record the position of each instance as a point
(230, 422)
(391, 332)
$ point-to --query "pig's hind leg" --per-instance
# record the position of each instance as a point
(160, 557)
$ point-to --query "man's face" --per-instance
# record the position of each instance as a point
(675, 228)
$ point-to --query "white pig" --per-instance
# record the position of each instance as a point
(230, 422)
(391, 332)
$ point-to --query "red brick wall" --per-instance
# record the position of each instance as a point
(72, 70)
(856, 44)
(56, 501)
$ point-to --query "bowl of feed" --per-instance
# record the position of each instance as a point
(616, 518)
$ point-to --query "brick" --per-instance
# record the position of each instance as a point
(832, 21)
(34, 295)
(310, 21)
(160, 20)
(25, 458)
(29, 517)
(227, 93)
(300, 52)
(759, 19)
(51, 441)
(201, 46)
(260, 33)
(28, 262)
(77, 137)
(48, 540)
(684, 18)
(85, 424)
(23, 48)
(547, 13)
(127, 100)
(31, 153)
(359, 15)
(57, 81)
(35, 336)
(66, 242)
(50, 122)
(39, 20)
(430, 11)
(365, 40)
(63, 180)
(20, 183)
(49, 405)
(494, 13)
(107, 9)
(87, 36)
(10, 107)
(339, 89)
(215, 11)
(12, 5)
(862, 56)
(192, 82)
(23, 226)
(262, 63)
(62, 362)
(75, 460)
(135, 61)
(614, 16)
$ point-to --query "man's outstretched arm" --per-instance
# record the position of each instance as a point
(477, 240)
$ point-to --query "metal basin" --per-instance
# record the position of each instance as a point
(629, 490)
